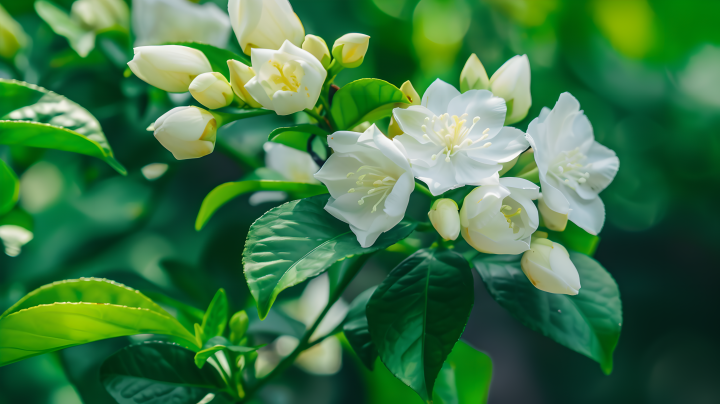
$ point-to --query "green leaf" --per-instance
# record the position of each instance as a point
(472, 371)
(575, 238)
(216, 316)
(365, 100)
(158, 373)
(9, 188)
(299, 240)
(355, 328)
(418, 313)
(224, 193)
(187, 315)
(276, 323)
(296, 136)
(33, 116)
(80, 39)
(445, 387)
(588, 323)
(217, 57)
(217, 344)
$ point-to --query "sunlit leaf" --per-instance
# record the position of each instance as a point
(9, 188)
(296, 137)
(365, 100)
(216, 316)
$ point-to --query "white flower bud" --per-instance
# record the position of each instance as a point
(549, 268)
(318, 48)
(156, 22)
(349, 50)
(14, 238)
(445, 218)
(187, 132)
(240, 74)
(409, 91)
(264, 24)
(553, 220)
(512, 82)
(212, 90)
(169, 67)
(473, 75)
(100, 14)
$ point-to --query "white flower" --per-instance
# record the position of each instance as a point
(292, 164)
(500, 216)
(265, 24)
(370, 182)
(455, 139)
(212, 90)
(287, 80)
(510, 82)
(547, 265)
(170, 67)
(573, 167)
(349, 50)
(188, 132)
(100, 14)
(156, 22)
(445, 218)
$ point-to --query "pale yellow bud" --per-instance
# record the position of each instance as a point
(187, 132)
(410, 93)
(445, 218)
(318, 48)
(473, 75)
(212, 90)
(553, 220)
(240, 74)
(169, 67)
(548, 266)
(100, 14)
(349, 50)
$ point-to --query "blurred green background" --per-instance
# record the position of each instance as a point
(647, 74)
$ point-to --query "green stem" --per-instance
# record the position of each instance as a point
(328, 114)
(224, 118)
(423, 190)
(314, 114)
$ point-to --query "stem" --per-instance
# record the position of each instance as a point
(318, 118)
(423, 190)
(246, 162)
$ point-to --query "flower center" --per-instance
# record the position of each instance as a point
(568, 168)
(508, 217)
(373, 181)
(452, 135)
(286, 78)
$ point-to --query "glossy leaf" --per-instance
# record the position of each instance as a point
(300, 240)
(9, 188)
(588, 323)
(365, 100)
(276, 323)
(33, 116)
(217, 344)
(296, 136)
(575, 238)
(80, 39)
(224, 193)
(158, 373)
(216, 316)
(418, 313)
(472, 371)
(356, 330)
(217, 57)
(445, 387)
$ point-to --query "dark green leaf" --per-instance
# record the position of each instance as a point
(217, 57)
(365, 100)
(216, 316)
(356, 331)
(158, 373)
(33, 116)
(224, 193)
(299, 240)
(588, 323)
(80, 39)
(9, 188)
(472, 372)
(575, 238)
(276, 323)
(296, 136)
(418, 314)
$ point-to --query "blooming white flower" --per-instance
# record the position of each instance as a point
(370, 182)
(212, 90)
(573, 167)
(499, 217)
(291, 164)
(547, 265)
(156, 22)
(100, 14)
(187, 132)
(445, 218)
(287, 80)
(265, 24)
(169, 67)
(510, 82)
(455, 139)
(349, 50)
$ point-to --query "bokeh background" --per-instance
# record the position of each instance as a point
(646, 72)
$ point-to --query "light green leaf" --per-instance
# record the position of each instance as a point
(9, 188)
(217, 57)
(158, 373)
(216, 316)
(355, 328)
(217, 344)
(300, 240)
(445, 387)
(588, 323)
(224, 193)
(33, 116)
(472, 372)
(296, 136)
(365, 100)
(418, 313)
(80, 39)
(575, 238)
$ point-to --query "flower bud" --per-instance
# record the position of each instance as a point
(212, 90)
(473, 75)
(240, 74)
(239, 324)
(14, 238)
(445, 218)
(169, 67)
(410, 93)
(553, 220)
(265, 24)
(187, 132)
(100, 14)
(12, 35)
(349, 50)
(548, 266)
(512, 82)
(318, 48)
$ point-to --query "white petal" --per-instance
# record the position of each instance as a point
(482, 103)
(397, 201)
(344, 141)
(521, 186)
(566, 107)
(412, 119)
(544, 278)
(484, 244)
(587, 214)
(305, 56)
(604, 164)
(438, 97)
(288, 102)
(553, 197)
(505, 146)
(563, 267)
(258, 93)
(387, 147)
(471, 172)
(439, 178)
(334, 173)
(419, 154)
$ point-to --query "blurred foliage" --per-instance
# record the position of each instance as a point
(644, 71)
